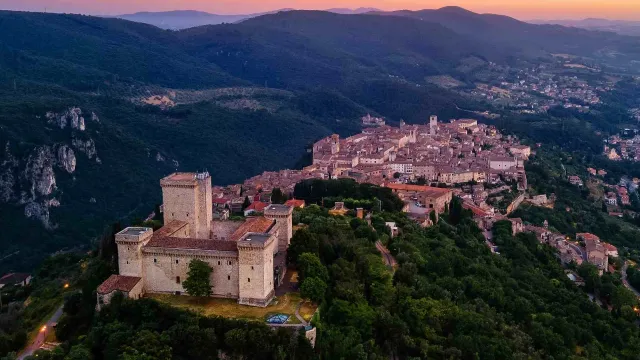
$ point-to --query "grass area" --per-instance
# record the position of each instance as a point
(307, 310)
(229, 308)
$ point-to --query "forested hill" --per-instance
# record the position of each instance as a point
(94, 111)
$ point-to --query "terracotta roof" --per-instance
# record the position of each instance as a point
(295, 203)
(256, 225)
(118, 282)
(588, 236)
(170, 228)
(257, 206)
(191, 244)
(609, 247)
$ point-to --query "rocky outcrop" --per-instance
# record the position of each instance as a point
(39, 172)
(72, 117)
(67, 158)
(159, 157)
(30, 179)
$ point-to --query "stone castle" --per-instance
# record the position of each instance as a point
(247, 257)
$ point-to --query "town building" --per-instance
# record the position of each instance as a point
(19, 279)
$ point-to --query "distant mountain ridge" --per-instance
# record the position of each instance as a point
(623, 27)
(183, 19)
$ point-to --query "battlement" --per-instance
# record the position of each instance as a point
(255, 240)
(278, 210)
(134, 235)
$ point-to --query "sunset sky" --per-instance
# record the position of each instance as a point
(522, 9)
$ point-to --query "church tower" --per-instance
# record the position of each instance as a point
(187, 197)
(433, 125)
(335, 144)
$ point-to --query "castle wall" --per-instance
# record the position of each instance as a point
(162, 267)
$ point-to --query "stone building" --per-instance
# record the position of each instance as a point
(247, 257)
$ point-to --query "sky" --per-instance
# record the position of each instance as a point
(521, 9)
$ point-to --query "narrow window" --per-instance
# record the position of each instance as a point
(177, 279)
(176, 261)
(155, 260)
(127, 262)
(248, 279)
(228, 277)
(218, 262)
(252, 268)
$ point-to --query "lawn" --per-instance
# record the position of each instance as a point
(229, 308)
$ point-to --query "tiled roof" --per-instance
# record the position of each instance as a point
(295, 203)
(118, 282)
(257, 205)
(191, 244)
(255, 225)
(170, 228)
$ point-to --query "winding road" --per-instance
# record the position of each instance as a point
(626, 282)
(40, 338)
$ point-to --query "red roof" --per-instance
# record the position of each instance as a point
(257, 206)
(220, 201)
(257, 225)
(118, 282)
(295, 203)
(610, 247)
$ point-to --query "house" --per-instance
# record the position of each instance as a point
(517, 226)
(611, 250)
(339, 209)
(18, 279)
(295, 203)
(611, 199)
(255, 207)
(575, 180)
(592, 171)
(393, 228)
(130, 286)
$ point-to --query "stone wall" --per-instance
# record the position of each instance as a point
(129, 251)
(162, 269)
(179, 203)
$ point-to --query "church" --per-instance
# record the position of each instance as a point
(247, 257)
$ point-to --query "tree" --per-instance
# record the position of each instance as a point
(198, 282)
(310, 266)
(313, 289)
(246, 203)
(303, 241)
(396, 175)
(277, 197)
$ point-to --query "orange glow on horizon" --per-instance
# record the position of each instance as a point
(522, 9)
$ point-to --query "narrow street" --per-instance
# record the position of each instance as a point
(40, 338)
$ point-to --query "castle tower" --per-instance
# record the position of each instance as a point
(282, 214)
(187, 197)
(130, 242)
(255, 269)
(335, 144)
(433, 125)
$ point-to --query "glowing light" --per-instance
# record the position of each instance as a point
(44, 328)
(66, 286)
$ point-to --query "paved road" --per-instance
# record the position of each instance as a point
(39, 340)
(578, 250)
(625, 282)
(389, 260)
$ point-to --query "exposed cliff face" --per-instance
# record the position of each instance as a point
(30, 180)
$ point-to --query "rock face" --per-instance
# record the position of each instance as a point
(72, 117)
(67, 158)
(29, 180)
